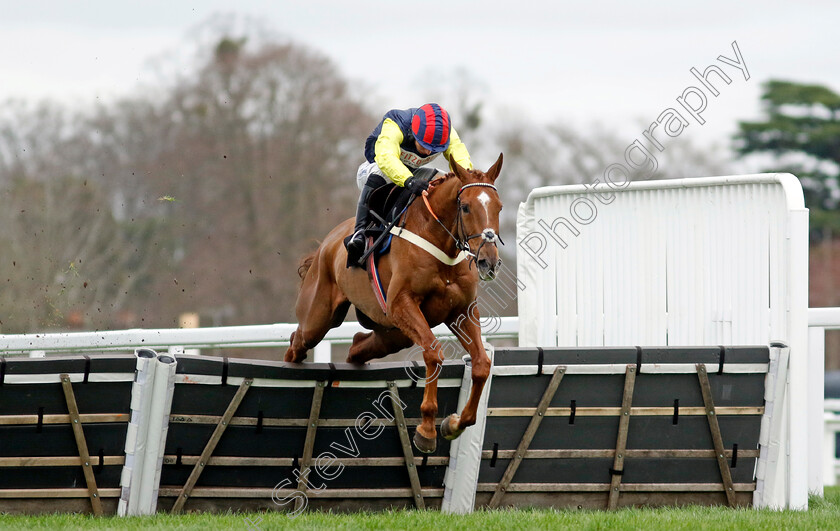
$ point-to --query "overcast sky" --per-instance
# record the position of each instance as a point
(615, 63)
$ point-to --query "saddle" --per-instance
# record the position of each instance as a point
(387, 204)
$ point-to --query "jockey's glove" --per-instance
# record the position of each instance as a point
(416, 186)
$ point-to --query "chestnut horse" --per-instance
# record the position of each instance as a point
(459, 215)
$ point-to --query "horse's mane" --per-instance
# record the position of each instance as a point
(445, 178)
(440, 182)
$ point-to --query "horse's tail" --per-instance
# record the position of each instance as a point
(306, 263)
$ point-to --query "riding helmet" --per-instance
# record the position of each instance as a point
(430, 125)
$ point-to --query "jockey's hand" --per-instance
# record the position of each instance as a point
(416, 186)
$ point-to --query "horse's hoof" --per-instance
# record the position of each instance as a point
(447, 427)
(292, 357)
(425, 444)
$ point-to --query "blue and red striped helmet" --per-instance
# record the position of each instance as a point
(430, 125)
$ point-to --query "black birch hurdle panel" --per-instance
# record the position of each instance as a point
(613, 427)
(62, 432)
(301, 437)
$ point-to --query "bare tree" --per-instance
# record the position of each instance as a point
(199, 196)
(262, 164)
(66, 260)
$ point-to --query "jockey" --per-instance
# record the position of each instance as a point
(402, 142)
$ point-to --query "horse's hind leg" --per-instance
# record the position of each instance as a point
(312, 329)
(378, 344)
(320, 306)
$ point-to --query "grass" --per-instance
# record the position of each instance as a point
(824, 513)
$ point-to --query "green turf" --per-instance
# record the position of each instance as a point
(824, 513)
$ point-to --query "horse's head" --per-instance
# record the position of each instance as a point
(478, 216)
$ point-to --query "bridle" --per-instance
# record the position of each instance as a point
(462, 240)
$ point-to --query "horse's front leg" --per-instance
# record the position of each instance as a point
(468, 331)
(405, 312)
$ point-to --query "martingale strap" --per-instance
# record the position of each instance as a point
(427, 246)
(376, 282)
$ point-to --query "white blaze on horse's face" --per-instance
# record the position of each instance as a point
(482, 222)
(488, 234)
(484, 199)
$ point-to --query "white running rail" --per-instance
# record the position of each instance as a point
(819, 321)
(169, 339)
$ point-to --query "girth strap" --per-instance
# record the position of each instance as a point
(429, 247)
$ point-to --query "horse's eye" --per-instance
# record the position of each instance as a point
(465, 209)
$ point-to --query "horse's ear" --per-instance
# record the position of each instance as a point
(494, 170)
(460, 172)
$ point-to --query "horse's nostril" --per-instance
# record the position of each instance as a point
(482, 263)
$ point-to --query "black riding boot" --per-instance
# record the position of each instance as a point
(356, 245)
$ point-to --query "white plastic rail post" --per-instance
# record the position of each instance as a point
(164, 388)
(135, 440)
(323, 352)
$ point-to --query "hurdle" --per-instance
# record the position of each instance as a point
(603, 428)
(559, 427)
(255, 435)
(63, 424)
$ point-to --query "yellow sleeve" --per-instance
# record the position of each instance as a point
(457, 151)
(387, 153)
